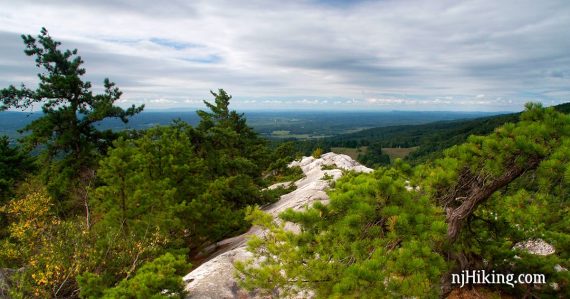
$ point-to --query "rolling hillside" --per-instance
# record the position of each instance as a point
(430, 138)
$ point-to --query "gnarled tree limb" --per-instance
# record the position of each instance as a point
(478, 192)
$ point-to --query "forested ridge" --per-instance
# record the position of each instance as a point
(429, 140)
(102, 214)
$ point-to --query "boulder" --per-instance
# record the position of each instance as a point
(536, 247)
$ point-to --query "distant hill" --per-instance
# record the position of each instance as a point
(564, 108)
(270, 124)
(431, 138)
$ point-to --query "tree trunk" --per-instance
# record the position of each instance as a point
(473, 191)
(476, 194)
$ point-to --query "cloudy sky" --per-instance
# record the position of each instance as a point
(375, 55)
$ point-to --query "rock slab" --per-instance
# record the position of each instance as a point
(215, 278)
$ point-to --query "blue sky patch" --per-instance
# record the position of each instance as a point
(177, 45)
(204, 59)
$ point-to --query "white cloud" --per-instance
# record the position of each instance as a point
(413, 53)
(162, 101)
(273, 102)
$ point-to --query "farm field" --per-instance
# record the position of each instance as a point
(398, 152)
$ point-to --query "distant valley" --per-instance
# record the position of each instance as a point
(273, 124)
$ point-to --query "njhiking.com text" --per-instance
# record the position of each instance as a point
(467, 277)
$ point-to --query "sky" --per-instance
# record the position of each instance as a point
(307, 55)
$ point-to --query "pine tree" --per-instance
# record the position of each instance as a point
(373, 240)
(504, 188)
(377, 239)
(160, 278)
(374, 157)
(66, 131)
(14, 165)
(231, 147)
(172, 189)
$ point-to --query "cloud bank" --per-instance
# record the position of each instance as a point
(411, 55)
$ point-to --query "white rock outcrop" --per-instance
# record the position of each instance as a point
(215, 278)
(536, 247)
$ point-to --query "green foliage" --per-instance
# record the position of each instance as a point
(174, 189)
(285, 174)
(327, 177)
(229, 146)
(273, 195)
(49, 250)
(157, 172)
(380, 238)
(278, 170)
(122, 230)
(374, 157)
(286, 150)
(317, 153)
(135, 211)
(533, 205)
(328, 167)
(160, 278)
(431, 138)
(372, 240)
(155, 190)
(307, 147)
(15, 165)
(162, 192)
(149, 185)
(67, 130)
